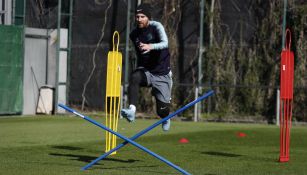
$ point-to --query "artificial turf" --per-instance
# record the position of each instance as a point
(48, 145)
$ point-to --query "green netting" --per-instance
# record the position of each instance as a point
(11, 69)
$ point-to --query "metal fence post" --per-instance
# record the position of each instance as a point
(196, 116)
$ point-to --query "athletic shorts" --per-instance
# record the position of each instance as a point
(161, 86)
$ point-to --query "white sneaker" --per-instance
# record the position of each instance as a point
(166, 125)
(129, 113)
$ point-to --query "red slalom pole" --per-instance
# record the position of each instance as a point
(286, 98)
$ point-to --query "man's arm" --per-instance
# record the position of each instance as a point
(162, 35)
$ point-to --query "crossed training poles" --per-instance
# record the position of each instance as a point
(131, 140)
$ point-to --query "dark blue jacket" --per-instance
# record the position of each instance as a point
(157, 60)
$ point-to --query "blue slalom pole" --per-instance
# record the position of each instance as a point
(208, 94)
(125, 138)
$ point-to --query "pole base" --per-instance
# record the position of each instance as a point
(283, 158)
(113, 153)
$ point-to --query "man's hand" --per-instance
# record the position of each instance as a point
(145, 47)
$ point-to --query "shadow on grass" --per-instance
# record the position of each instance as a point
(72, 148)
(89, 159)
(152, 169)
(258, 158)
(137, 169)
(214, 153)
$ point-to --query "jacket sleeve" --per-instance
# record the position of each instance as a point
(162, 35)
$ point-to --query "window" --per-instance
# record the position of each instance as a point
(6, 12)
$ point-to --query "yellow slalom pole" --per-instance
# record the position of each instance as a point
(113, 87)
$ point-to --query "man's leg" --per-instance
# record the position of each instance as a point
(162, 87)
(137, 79)
(163, 110)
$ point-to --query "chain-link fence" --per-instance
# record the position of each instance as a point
(241, 59)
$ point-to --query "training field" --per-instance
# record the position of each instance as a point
(57, 145)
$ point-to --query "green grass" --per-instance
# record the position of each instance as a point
(48, 145)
